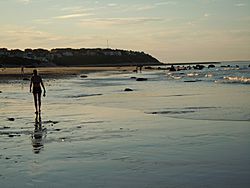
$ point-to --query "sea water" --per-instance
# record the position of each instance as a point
(187, 128)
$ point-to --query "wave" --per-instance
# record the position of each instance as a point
(234, 79)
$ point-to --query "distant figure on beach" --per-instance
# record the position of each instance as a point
(140, 68)
(36, 82)
(22, 70)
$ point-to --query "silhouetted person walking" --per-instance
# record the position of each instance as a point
(22, 70)
(36, 82)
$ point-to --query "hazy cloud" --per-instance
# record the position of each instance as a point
(119, 21)
(112, 4)
(29, 37)
(166, 3)
(69, 16)
(146, 7)
(240, 4)
(25, 1)
(206, 15)
(139, 6)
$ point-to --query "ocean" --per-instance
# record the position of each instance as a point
(187, 128)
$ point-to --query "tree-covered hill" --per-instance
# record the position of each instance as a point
(74, 57)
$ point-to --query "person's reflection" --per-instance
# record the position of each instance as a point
(38, 135)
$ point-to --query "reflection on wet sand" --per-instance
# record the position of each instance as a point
(39, 134)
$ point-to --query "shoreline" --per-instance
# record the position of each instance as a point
(15, 73)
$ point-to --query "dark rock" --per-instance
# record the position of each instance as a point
(190, 81)
(249, 65)
(199, 67)
(83, 76)
(178, 68)
(128, 89)
(237, 66)
(13, 135)
(172, 68)
(133, 77)
(0, 91)
(11, 119)
(141, 79)
(26, 79)
(57, 129)
(211, 66)
(149, 67)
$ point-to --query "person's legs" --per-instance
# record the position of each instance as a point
(39, 101)
(35, 101)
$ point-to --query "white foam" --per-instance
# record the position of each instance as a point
(192, 74)
(236, 79)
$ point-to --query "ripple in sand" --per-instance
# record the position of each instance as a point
(185, 110)
(85, 95)
(50, 121)
(5, 127)
(173, 112)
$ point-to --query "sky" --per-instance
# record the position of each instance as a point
(170, 30)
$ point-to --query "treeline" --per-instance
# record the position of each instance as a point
(75, 57)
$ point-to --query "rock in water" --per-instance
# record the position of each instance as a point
(211, 66)
(26, 79)
(128, 89)
(199, 67)
(83, 76)
(11, 119)
(141, 79)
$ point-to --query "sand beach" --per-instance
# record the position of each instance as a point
(175, 129)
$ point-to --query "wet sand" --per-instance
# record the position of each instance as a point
(94, 134)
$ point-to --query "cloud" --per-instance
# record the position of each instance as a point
(145, 7)
(240, 4)
(43, 21)
(19, 36)
(206, 15)
(112, 5)
(166, 3)
(77, 9)
(138, 6)
(69, 16)
(102, 22)
(25, 32)
(12, 36)
(25, 1)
